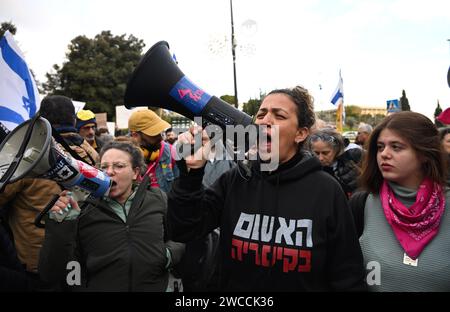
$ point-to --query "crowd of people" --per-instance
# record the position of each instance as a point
(369, 215)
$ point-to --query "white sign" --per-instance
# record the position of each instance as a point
(78, 105)
(111, 127)
(123, 114)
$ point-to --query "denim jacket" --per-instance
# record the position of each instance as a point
(166, 170)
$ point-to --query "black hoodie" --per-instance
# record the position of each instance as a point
(289, 230)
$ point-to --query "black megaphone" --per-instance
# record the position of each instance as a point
(157, 81)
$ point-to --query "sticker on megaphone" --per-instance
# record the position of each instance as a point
(71, 173)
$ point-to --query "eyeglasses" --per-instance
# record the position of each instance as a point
(116, 167)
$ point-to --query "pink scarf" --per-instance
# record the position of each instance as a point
(417, 225)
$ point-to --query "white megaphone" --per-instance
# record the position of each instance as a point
(33, 153)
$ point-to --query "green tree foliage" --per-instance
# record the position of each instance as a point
(230, 99)
(372, 120)
(404, 103)
(7, 26)
(352, 111)
(350, 121)
(252, 106)
(378, 119)
(437, 112)
(96, 71)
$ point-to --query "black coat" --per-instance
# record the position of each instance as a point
(346, 173)
(288, 230)
(114, 255)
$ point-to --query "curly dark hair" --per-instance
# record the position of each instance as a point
(304, 102)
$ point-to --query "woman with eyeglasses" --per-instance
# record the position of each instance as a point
(119, 242)
(282, 228)
(403, 214)
(328, 145)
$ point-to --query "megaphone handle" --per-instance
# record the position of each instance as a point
(37, 221)
(79, 194)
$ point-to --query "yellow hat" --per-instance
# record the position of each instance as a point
(147, 122)
(85, 117)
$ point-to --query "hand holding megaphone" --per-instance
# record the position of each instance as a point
(198, 150)
(63, 205)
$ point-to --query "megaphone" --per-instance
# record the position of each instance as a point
(42, 158)
(448, 77)
(157, 81)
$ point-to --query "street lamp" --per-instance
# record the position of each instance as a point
(233, 47)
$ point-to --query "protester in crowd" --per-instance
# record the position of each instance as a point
(125, 138)
(364, 131)
(444, 116)
(354, 151)
(328, 145)
(199, 267)
(444, 135)
(403, 215)
(13, 276)
(104, 135)
(219, 162)
(20, 203)
(119, 240)
(87, 127)
(24, 199)
(288, 229)
(146, 129)
(60, 112)
(319, 125)
(171, 136)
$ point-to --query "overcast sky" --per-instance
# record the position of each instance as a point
(381, 46)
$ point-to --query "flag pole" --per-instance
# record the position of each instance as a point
(339, 118)
(338, 100)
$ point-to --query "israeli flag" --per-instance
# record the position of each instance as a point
(19, 97)
(338, 96)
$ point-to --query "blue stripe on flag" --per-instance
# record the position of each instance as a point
(336, 97)
(10, 115)
(18, 65)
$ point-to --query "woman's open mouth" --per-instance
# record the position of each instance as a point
(113, 184)
(266, 142)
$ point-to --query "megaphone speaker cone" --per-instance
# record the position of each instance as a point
(157, 81)
(35, 158)
(152, 80)
(448, 77)
(42, 158)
